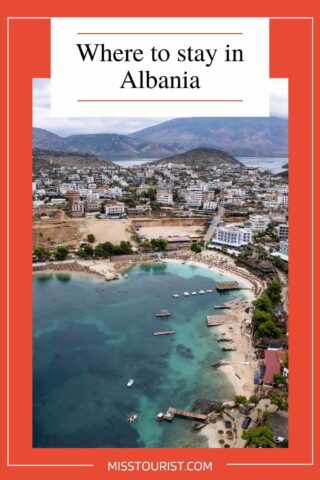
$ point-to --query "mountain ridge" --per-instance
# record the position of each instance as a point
(260, 137)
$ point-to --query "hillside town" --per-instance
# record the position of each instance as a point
(227, 216)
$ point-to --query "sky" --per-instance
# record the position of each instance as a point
(72, 126)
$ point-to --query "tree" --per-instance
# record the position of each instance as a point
(261, 436)
(264, 304)
(91, 238)
(41, 253)
(241, 400)
(151, 193)
(274, 292)
(159, 243)
(196, 248)
(61, 253)
(104, 250)
(260, 317)
(126, 247)
(86, 250)
(278, 379)
(268, 330)
(280, 399)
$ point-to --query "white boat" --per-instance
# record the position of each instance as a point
(160, 417)
(209, 290)
(125, 275)
(176, 295)
(133, 418)
(193, 293)
(130, 383)
(186, 294)
(201, 292)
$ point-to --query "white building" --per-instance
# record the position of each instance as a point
(115, 192)
(284, 249)
(259, 223)
(283, 231)
(114, 209)
(209, 206)
(282, 200)
(194, 197)
(164, 197)
(233, 236)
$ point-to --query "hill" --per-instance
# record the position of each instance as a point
(104, 145)
(45, 159)
(239, 136)
(201, 157)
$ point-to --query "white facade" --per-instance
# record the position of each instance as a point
(209, 206)
(259, 222)
(114, 209)
(232, 236)
(115, 192)
(284, 249)
(164, 197)
(194, 197)
(282, 200)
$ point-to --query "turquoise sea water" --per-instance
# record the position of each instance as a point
(90, 337)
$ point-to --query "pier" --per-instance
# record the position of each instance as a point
(163, 313)
(224, 286)
(164, 332)
(216, 320)
(174, 412)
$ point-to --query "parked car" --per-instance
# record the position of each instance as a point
(246, 422)
(279, 440)
(227, 424)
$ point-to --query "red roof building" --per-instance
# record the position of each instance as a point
(272, 360)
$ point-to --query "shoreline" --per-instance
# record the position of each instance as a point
(242, 364)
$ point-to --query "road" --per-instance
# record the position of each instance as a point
(215, 220)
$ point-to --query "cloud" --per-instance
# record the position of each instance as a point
(279, 97)
(71, 126)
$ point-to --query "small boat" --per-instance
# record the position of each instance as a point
(133, 418)
(159, 417)
(201, 292)
(209, 290)
(186, 294)
(176, 295)
(126, 275)
(193, 293)
(130, 383)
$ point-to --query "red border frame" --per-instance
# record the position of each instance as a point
(290, 56)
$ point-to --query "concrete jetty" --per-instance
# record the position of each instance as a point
(164, 332)
(175, 412)
(216, 320)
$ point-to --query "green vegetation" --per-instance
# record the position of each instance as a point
(86, 250)
(280, 264)
(263, 314)
(280, 398)
(108, 249)
(268, 330)
(41, 253)
(274, 292)
(91, 238)
(159, 243)
(196, 248)
(241, 400)
(261, 436)
(61, 253)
